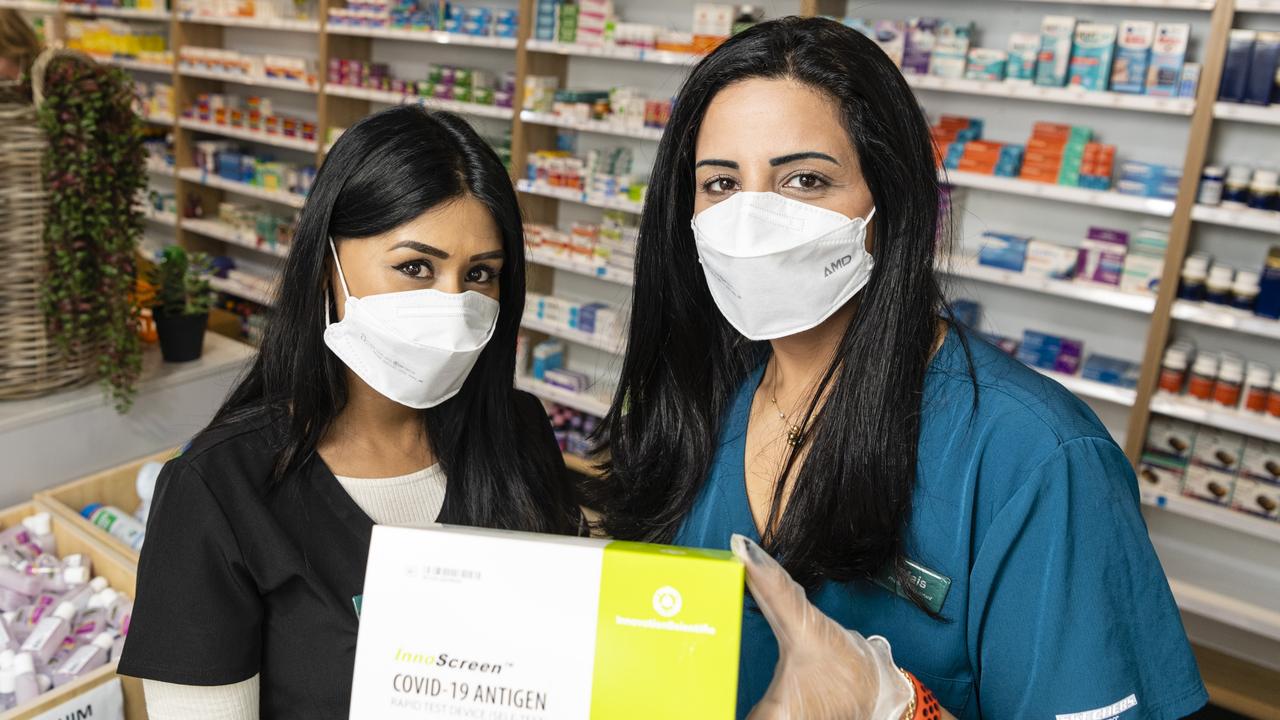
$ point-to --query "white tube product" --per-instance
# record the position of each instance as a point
(85, 659)
(117, 522)
(7, 639)
(7, 700)
(40, 526)
(20, 582)
(25, 685)
(81, 595)
(119, 607)
(49, 633)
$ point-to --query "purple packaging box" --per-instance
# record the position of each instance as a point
(1068, 360)
(922, 35)
(1117, 237)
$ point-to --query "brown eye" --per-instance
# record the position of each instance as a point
(415, 269)
(720, 185)
(481, 275)
(806, 181)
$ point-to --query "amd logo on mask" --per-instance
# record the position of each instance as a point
(836, 265)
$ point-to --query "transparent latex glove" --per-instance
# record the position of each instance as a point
(824, 671)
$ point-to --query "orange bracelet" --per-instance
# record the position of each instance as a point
(927, 707)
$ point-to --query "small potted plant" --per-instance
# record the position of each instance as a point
(181, 303)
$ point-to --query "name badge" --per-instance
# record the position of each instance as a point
(931, 586)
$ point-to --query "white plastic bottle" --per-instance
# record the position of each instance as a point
(85, 659)
(40, 526)
(148, 474)
(7, 700)
(20, 582)
(49, 633)
(81, 595)
(117, 522)
(7, 639)
(25, 685)
(119, 607)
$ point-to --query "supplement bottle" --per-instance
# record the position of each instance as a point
(1218, 286)
(1204, 373)
(1226, 391)
(1256, 385)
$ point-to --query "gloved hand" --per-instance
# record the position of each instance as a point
(824, 670)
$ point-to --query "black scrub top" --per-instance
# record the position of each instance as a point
(237, 580)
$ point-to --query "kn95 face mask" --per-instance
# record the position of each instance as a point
(415, 347)
(777, 266)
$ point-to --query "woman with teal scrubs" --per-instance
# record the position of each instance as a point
(794, 377)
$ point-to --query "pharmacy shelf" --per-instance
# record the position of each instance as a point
(423, 36)
(583, 402)
(139, 65)
(558, 261)
(1061, 193)
(601, 127)
(114, 12)
(1243, 112)
(161, 168)
(163, 218)
(1265, 221)
(258, 23)
(1215, 515)
(578, 196)
(968, 267)
(236, 289)
(1225, 609)
(1259, 6)
(614, 52)
(226, 233)
(1218, 316)
(599, 342)
(1206, 413)
(394, 98)
(200, 177)
(1161, 4)
(1061, 95)
(31, 6)
(265, 82)
(1092, 388)
(158, 119)
(258, 136)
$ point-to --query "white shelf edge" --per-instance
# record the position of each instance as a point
(243, 292)
(138, 65)
(1092, 388)
(31, 6)
(1219, 515)
(579, 197)
(277, 196)
(613, 52)
(1205, 413)
(394, 98)
(1258, 6)
(1226, 609)
(255, 23)
(161, 169)
(1161, 4)
(1061, 193)
(578, 401)
(612, 346)
(290, 85)
(158, 119)
(553, 260)
(249, 135)
(1061, 95)
(423, 36)
(1264, 221)
(222, 231)
(89, 10)
(1226, 318)
(163, 218)
(599, 127)
(1244, 112)
(968, 267)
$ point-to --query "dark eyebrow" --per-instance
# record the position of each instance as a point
(811, 155)
(722, 163)
(495, 255)
(422, 248)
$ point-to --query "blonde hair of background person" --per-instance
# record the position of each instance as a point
(19, 45)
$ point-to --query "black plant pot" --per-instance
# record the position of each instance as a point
(181, 336)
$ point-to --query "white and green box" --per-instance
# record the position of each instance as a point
(489, 624)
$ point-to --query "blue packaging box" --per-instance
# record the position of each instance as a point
(1052, 64)
(587, 316)
(1235, 74)
(1133, 56)
(1039, 349)
(1167, 54)
(1091, 55)
(1112, 371)
(967, 312)
(1006, 252)
(1262, 69)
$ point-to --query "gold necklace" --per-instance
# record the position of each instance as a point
(795, 433)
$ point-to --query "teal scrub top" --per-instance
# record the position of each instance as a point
(1057, 607)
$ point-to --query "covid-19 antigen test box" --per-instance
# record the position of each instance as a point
(495, 625)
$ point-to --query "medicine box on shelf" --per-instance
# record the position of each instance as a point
(116, 487)
(123, 577)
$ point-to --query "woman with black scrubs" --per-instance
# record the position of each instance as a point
(794, 379)
(381, 393)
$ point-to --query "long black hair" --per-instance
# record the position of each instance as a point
(852, 497)
(384, 171)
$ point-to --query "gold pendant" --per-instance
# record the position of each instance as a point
(795, 436)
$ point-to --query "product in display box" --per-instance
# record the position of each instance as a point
(1218, 449)
(57, 622)
(922, 36)
(986, 64)
(1057, 33)
(1212, 485)
(1159, 477)
(118, 523)
(574, 429)
(107, 38)
(1091, 56)
(565, 627)
(1261, 84)
(1024, 51)
(890, 35)
(1133, 56)
(951, 50)
(265, 10)
(1168, 52)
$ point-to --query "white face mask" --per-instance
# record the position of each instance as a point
(415, 347)
(777, 266)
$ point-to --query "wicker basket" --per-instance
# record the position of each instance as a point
(31, 364)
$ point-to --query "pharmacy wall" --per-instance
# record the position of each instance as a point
(1094, 229)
